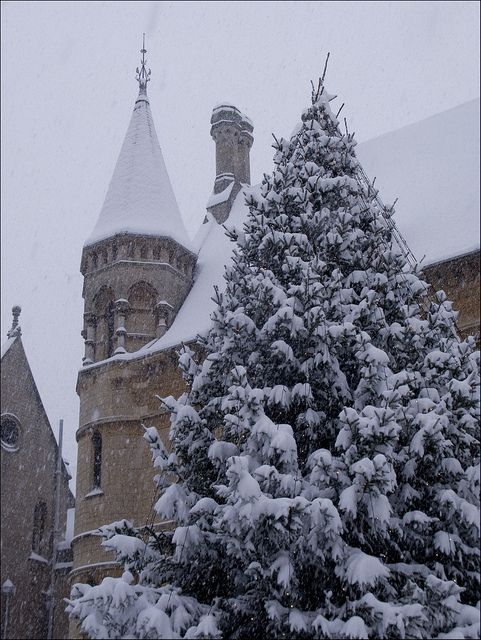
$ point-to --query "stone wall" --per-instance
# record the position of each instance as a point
(133, 287)
(459, 277)
(116, 399)
(28, 477)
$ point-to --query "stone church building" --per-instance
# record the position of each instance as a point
(35, 499)
(147, 289)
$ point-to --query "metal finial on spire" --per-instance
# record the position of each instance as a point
(143, 75)
(15, 328)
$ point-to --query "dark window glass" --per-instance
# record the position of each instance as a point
(39, 519)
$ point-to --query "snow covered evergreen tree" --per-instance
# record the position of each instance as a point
(324, 470)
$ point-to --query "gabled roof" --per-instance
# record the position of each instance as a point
(15, 364)
(140, 198)
(433, 167)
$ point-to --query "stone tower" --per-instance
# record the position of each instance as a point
(138, 268)
(232, 133)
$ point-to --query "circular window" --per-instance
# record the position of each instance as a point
(9, 432)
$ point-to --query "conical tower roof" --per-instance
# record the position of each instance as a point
(140, 198)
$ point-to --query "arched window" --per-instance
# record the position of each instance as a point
(114, 251)
(10, 432)
(143, 252)
(97, 459)
(39, 520)
(94, 260)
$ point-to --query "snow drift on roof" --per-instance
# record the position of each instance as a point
(140, 198)
(433, 167)
(214, 254)
(228, 106)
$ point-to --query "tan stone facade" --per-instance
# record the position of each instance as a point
(459, 277)
(133, 287)
(28, 465)
(116, 399)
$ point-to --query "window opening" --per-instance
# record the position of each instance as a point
(39, 519)
(9, 432)
(97, 467)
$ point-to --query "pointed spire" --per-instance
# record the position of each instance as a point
(143, 76)
(15, 329)
(140, 198)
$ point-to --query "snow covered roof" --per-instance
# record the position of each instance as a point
(140, 198)
(214, 252)
(433, 167)
(229, 107)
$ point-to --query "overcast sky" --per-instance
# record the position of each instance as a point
(68, 90)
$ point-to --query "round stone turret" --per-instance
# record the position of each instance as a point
(232, 132)
(138, 254)
(126, 277)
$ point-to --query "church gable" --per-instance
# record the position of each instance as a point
(28, 469)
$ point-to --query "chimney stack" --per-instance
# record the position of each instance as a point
(232, 133)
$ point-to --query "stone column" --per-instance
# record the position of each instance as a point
(88, 334)
(232, 132)
(121, 308)
(163, 310)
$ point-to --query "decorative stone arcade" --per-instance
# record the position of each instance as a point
(133, 288)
